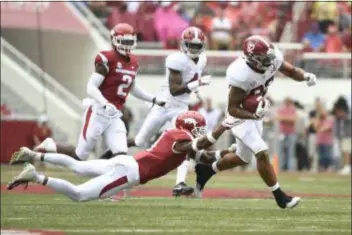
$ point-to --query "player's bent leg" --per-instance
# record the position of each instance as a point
(50, 146)
(115, 137)
(102, 186)
(84, 168)
(93, 127)
(268, 175)
(151, 125)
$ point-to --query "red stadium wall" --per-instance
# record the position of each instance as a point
(15, 134)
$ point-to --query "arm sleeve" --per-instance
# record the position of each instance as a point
(140, 93)
(93, 88)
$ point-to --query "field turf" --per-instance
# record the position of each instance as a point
(235, 203)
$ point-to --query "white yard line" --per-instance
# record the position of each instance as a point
(162, 231)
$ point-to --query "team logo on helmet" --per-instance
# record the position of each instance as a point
(190, 121)
(250, 47)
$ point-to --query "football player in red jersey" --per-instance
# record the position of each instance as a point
(122, 172)
(252, 74)
(108, 88)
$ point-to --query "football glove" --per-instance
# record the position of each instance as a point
(310, 78)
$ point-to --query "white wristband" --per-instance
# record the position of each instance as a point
(210, 138)
(193, 85)
(194, 145)
(217, 155)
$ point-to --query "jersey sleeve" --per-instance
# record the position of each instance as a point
(100, 58)
(175, 61)
(236, 77)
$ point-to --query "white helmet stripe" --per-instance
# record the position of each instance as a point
(196, 32)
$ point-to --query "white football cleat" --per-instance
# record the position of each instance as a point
(346, 170)
(22, 156)
(47, 146)
(293, 203)
(27, 175)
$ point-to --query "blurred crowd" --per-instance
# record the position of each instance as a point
(225, 23)
(329, 27)
(317, 140)
(323, 27)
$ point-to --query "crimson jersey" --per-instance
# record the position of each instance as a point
(120, 77)
(161, 158)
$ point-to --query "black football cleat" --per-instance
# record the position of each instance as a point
(284, 201)
(181, 189)
(204, 173)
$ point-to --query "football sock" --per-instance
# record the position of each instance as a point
(182, 172)
(215, 167)
(276, 186)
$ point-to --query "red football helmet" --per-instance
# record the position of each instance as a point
(192, 42)
(258, 52)
(192, 122)
(123, 38)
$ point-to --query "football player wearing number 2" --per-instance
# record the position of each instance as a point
(108, 88)
(249, 75)
(183, 75)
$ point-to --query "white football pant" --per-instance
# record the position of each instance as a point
(112, 130)
(249, 139)
(111, 176)
(155, 120)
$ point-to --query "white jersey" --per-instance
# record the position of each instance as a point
(190, 71)
(240, 75)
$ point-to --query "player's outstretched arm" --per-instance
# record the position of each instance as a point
(297, 74)
(200, 143)
(142, 94)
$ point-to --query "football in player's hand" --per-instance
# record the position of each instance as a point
(251, 102)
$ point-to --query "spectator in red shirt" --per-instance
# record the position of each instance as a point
(333, 42)
(287, 117)
(41, 130)
(324, 128)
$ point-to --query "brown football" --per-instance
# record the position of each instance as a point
(251, 103)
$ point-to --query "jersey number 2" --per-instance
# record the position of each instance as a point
(127, 83)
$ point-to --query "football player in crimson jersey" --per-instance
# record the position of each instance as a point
(123, 172)
(108, 88)
(252, 74)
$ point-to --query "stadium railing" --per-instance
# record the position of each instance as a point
(336, 65)
(45, 79)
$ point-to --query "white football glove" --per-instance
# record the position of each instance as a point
(232, 148)
(262, 109)
(310, 78)
(161, 102)
(230, 122)
(110, 109)
(203, 81)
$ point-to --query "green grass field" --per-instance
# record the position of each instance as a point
(328, 211)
